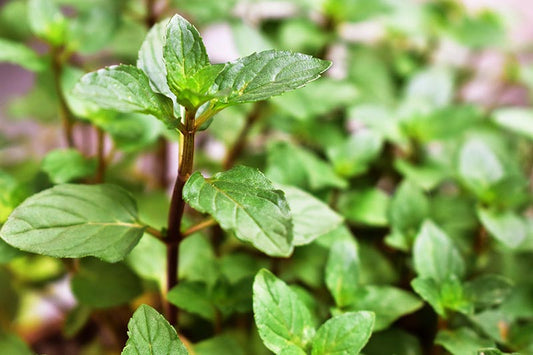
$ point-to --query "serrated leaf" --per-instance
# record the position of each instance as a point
(311, 217)
(193, 297)
(342, 271)
(65, 165)
(289, 164)
(47, 21)
(100, 285)
(150, 334)
(506, 226)
(124, 88)
(282, 319)
(344, 334)
(73, 221)
(244, 200)
(388, 304)
(266, 74)
(462, 341)
(435, 256)
(19, 54)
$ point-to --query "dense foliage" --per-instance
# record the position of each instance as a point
(335, 193)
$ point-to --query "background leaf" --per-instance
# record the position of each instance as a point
(65, 165)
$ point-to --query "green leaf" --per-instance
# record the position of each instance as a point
(344, 334)
(388, 304)
(18, 53)
(435, 256)
(47, 21)
(488, 290)
(151, 58)
(73, 221)
(12, 344)
(409, 207)
(433, 86)
(64, 165)
(219, 345)
(429, 290)
(266, 74)
(292, 350)
(289, 164)
(124, 88)
(462, 341)
(507, 227)
(353, 156)
(9, 299)
(193, 297)
(516, 120)
(311, 217)
(98, 284)
(366, 206)
(244, 200)
(148, 258)
(479, 167)
(393, 341)
(342, 271)
(7, 252)
(150, 333)
(282, 318)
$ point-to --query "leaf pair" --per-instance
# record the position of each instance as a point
(173, 64)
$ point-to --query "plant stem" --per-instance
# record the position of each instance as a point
(155, 232)
(67, 117)
(177, 206)
(100, 157)
(198, 227)
(238, 146)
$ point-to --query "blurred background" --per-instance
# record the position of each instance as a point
(398, 58)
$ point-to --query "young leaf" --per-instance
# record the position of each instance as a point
(73, 221)
(124, 88)
(193, 297)
(150, 333)
(17, 53)
(266, 74)
(282, 318)
(47, 21)
(100, 285)
(342, 271)
(64, 165)
(435, 256)
(311, 217)
(244, 200)
(507, 227)
(344, 334)
(388, 304)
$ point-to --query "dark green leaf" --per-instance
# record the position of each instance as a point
(219, 345)
(73, 221)
(462, 341)
(124, 88)
(98, 284)
(150, 334)
(17, 53)
(489, 290)
(393, 341)
(342, 271)
(65, 165)
(193, 297)
(282, 318)
(266, 74)
(244, 200)
(311, 217)
(344, 334)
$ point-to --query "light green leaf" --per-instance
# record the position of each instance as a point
(462, 341)
(311, 217)
(281, 317)
(98, 284)
(73, 221)
(244, 200)
(366, 206)
(433, 86)
(292, 350)
(289, 164)
(64, 165)
(124, 88)
(516, 120)
(506, 226)
(150, 334)
(151, 58)
(435, 256)
(266, 74)
(342, 271)
(388, 304)
(193, 297)
(47, 21)
(344, 334)
(479, 167)
(7, 252)
(18, 53)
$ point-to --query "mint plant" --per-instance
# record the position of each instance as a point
(378, 210)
